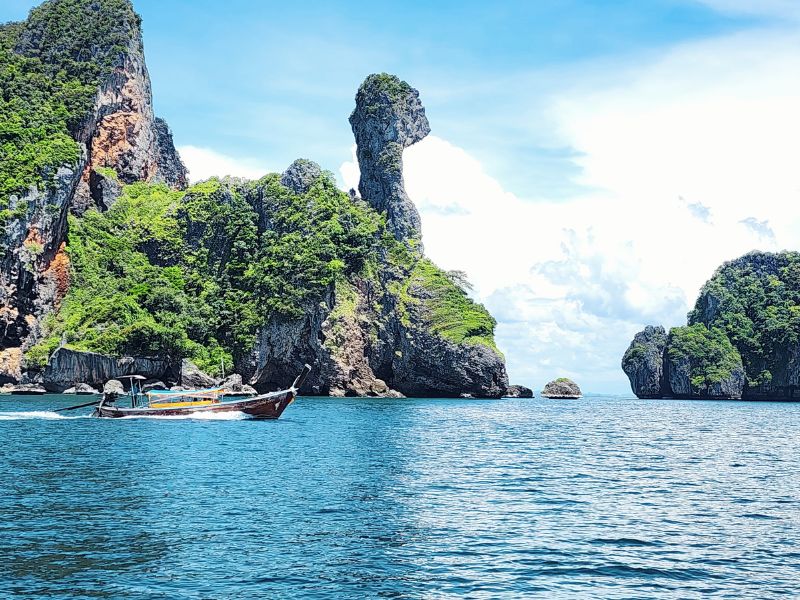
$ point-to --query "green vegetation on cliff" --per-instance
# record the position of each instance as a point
(189, 274)
(310, 240)
(755, 300)
(196, 273)
(446, 308)
(50, 68)
(391, 85)
(709, 353)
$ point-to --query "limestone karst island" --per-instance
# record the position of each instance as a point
(113, 265)
(399, 299)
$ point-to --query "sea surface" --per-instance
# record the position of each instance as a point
(604, 497)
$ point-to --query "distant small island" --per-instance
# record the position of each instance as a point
(562, 388)
(742, 340)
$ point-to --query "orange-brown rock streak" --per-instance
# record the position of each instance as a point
(59, 272)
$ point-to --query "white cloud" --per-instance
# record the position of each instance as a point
(692, 160)
(204, 163)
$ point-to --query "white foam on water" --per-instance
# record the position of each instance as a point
(197, 416)
(54, 416)
(38, 414)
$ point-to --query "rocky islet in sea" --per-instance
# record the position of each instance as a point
(562, 388)
(742, 340)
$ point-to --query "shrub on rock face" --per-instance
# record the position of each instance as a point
(704, 363)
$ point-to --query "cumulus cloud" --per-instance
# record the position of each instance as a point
(570, 280)
(204, 163)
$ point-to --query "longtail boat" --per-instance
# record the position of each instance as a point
(177, 403)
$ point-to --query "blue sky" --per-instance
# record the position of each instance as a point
(276, 80)
(590, 164)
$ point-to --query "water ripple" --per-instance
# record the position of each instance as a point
(606, 497)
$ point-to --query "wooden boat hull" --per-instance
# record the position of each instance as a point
(266, 406)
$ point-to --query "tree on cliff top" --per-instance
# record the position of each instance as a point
(755, 300)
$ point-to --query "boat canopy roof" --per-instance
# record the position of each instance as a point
(207, 393)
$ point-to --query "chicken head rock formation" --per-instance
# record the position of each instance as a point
(378, 335)
(388, 118)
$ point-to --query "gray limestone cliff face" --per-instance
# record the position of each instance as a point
(424, 363)
(643, 362)
(301, 175)
(679, 381)
(34, 267)
(388, 118)
(123, 133)
(655, 371)
(193, 378)
(119, 132)
(332, 337)
(104, 190)
(518, 391)
(428, 365)
(170, 168)
(68, 367)
(678, 377)
(358, 346)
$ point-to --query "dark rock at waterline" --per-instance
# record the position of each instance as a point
(113, 387)
(233, 384)
(82, 389)
(562, 388)
(28, 389)
(193, 378)
(149, 386)
(518, 391)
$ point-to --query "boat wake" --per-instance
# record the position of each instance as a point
(198, 416)
(54, 416)
(38, 414)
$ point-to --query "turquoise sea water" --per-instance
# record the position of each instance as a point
(603, 497)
